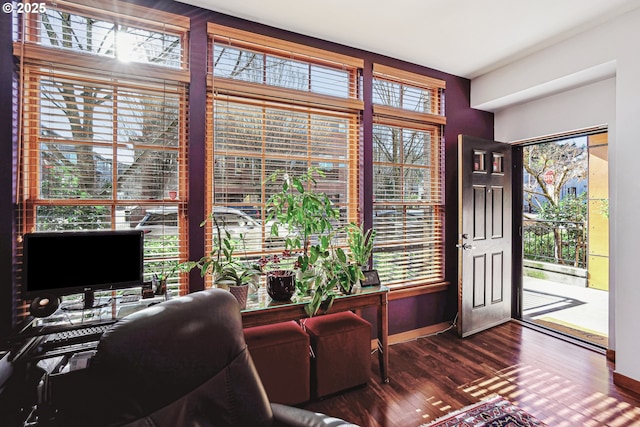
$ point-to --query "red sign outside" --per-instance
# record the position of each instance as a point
(549, 176)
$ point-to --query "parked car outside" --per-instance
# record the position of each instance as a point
(158, 223)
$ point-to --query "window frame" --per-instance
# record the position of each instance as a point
(38, 61)
(263, 96)
(402, 119)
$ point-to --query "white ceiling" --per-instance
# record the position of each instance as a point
(466, 38)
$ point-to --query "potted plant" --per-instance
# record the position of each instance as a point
(360, 244)
(309, 218)
(221, 254)
(329, 275)
(226, 270)
(159, 283)
(281, 282)
(159, 280)
(237, 278)
(336, 271)
(307, 214)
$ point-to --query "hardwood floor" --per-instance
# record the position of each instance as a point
(560, 383)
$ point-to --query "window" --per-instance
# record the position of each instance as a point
(275, 105)
(408, 178)
(103, 123)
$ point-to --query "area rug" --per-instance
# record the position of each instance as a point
(492, 412)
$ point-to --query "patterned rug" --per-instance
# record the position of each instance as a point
(495, 411)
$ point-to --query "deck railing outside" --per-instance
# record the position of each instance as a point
(558, 242)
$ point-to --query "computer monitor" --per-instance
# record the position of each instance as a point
(69, 262)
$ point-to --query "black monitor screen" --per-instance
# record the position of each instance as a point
(63, 263)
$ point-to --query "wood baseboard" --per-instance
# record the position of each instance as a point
(611, 355)
(626, 382)
(413, 334)
(417, 333)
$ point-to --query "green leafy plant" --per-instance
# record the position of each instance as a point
(567, 219)
(236, 274)
(334, 273)
(323, 280)
(360, 244)
(220, 263)
(307, 214)
(170, 269)
(309, 217)
(337, 270)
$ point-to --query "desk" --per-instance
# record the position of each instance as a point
(112, 308)
(264, 312)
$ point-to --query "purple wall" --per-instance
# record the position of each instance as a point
(461, 120)
(7, 181)
(406, 314)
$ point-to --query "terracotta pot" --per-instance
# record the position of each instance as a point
(281, 285)
(240, 292)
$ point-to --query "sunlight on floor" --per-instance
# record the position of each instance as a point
(546, 399)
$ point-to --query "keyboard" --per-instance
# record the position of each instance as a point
(73, 336)
(128, 298)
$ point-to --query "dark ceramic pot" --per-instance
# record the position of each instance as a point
(281, 285)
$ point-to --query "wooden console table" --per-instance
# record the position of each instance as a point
(264, 311)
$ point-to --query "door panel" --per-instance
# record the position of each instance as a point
(479, 209)
(497, 228)
(484, 224)
(479, 274)
(497, 278)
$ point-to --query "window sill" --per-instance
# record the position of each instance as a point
(412, 291)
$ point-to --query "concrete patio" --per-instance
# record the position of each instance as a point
(574, 307)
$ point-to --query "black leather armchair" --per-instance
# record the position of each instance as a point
(180, 363)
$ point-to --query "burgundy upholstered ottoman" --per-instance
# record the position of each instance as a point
(280, 353)
(341, 343)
